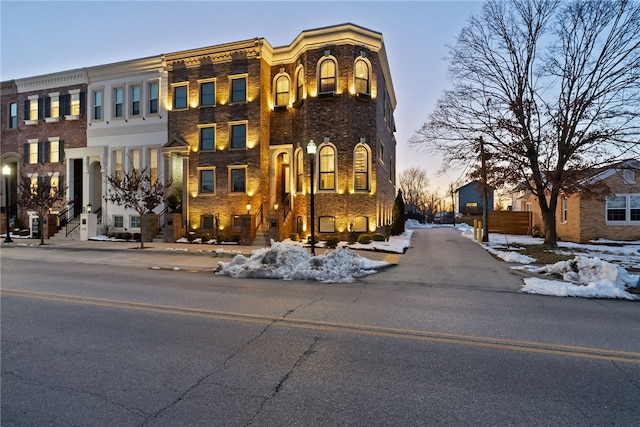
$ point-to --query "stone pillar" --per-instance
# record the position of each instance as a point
(149, 226)
(247, 231)
(173, 227)
(88, 226)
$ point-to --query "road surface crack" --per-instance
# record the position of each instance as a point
(308, 352)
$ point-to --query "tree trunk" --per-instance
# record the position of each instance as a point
(549, 221)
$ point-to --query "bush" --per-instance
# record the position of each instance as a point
(127, 236)
(137, 237)
(364, 239)
(120, 235)
(332, 241)
(295, 237)
(378, 237)
(315, 239)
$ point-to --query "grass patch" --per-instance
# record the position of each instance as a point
(545, 255)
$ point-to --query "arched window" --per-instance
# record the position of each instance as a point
(362, 77)
(300, 84)
(282, 90)
(361, 168)
(327, 76)
(327, 168)
(299, 171)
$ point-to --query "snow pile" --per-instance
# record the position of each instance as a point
(292, 262)
(510, 256)
(583, 277)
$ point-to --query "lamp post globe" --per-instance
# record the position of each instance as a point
(6, 172)
(311, 151)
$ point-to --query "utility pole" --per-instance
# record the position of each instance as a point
(485, 192)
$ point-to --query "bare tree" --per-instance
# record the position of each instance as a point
(136, 190)
(553, 87)
(40, 195)
(414, 185)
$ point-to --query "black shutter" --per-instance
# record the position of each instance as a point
(82, 103)
(61, 185)
(26, 109)
(65, 108)
(40, 108)
(46, 155)
(61, 151)
(25, 156)
(47, 107)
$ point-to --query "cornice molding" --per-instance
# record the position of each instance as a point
(220, 53)
(118, 70)
(53, 80)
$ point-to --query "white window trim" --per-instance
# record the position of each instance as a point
(327, 57)
(369, 68)
(73, 116)
(130, 100)
(369, 167)
(93, 100)
(174, 86)
(274, 93)
(627, 214)
(113, 102)
(131, 227)
(246, 134)
(53, 119)
(147, 98)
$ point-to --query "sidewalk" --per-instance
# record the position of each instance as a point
(183, 256)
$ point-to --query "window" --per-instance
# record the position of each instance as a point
(282, 91)
(629, 176)
(33, 108)
(75, 103)
(300, 84)
(153, 164)
(623, 209)
(327, 224)
(54, 106)
(54, 151)
(134, 156)
(13, 115)
(117, 164)
(563, 209)
(134, 221)
(299, 171)
(135, 100)
(97, 105)
(206, 221)
(327, 76)
(207, 181)
(361, 168)
(362, 77)
(180, 97)
(327, 168)
(207, 138)
(207, 93)
(118, 110)
(238, 136)
(238, 180)
(118, 221)
(153, 97)
(361, 224)
(238, 89)
(34, 153)
(54, 183)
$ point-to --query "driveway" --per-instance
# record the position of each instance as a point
(441, 257)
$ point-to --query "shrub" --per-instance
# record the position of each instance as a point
(137, 237)
(332, 241)
(364, 239)
(120, 235)
(295, 237)
(378, 237)
(315, 239)
(127, 236)
(234, 238)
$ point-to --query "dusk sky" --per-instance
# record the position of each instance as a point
(50, 36)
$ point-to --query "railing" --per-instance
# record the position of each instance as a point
(286, 207)
(72, 224)
(259, 218)
(161, 217)
(63, 218)
(98, 213)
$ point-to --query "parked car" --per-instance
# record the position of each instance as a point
(445, 217)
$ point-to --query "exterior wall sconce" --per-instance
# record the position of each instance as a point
(248, 208)
(275, 207)
(89, 207)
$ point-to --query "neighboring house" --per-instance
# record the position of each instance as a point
(580, 218)
(42, 118)
(127, 125)
(470, 199)
(241, 116)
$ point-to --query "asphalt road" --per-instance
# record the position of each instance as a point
(444, 338)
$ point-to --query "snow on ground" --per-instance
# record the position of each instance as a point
(292, 262)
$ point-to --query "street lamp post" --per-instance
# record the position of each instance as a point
(6, 171)
(311, 151)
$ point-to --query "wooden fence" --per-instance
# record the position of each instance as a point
(509, 222)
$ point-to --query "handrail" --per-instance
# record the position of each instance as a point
(72, 224)
(259, 218)
(286, 207)
(161, 216)
(63, 218)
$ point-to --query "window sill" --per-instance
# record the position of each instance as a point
(363, 96)
(326, 95)
(52, 119)
(30, 122)
(71, 117)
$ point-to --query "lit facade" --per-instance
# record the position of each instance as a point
(242, 113)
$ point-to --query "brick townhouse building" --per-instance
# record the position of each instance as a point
(241, 116)
(230, 125)
(42, 118)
